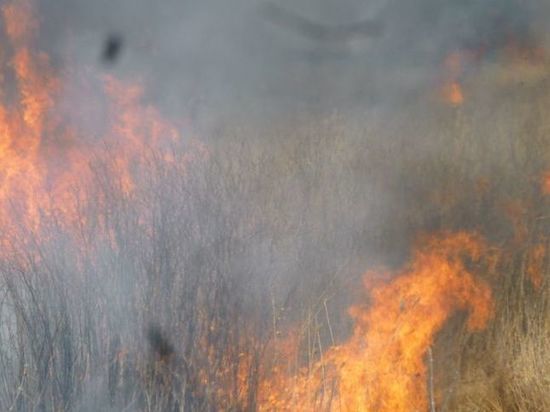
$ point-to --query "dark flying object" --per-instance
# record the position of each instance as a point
(321, 32)
(159, 343)
(112, 48)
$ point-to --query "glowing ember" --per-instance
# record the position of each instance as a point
(381, 367)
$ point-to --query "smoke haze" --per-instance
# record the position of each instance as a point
(217, 57)
(278, 152)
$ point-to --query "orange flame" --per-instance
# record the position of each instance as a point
(43, 156)
(535, 264)
(453, 66)
(452, 94)
(381, 368)
(22, 124)
(545, 183)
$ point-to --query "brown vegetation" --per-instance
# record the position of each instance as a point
(192, 277)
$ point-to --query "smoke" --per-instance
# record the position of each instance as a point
(294, 201)
(218, 57)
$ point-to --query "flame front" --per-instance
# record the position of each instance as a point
(381, 367)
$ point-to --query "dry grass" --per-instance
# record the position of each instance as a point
(275, 229)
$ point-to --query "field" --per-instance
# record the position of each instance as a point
(340, 262)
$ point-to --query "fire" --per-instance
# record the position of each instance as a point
(519, 55)
(44, 155)
(21, 125)
(381, 367)
(452, 94)
(454, 67)
(535, 264)
(545, 183)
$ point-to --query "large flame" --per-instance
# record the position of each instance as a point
(22, 123)
(381, 367)
(42, 155)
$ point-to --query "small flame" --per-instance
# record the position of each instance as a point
(452, 94)
(454, 67)
(545, 183)
(536, 257)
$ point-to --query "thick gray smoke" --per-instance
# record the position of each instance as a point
(215, 55)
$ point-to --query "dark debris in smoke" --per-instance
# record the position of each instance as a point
(159, 343)
(112, 48)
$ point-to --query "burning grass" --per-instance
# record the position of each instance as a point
(381, 367)
(156, 273)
